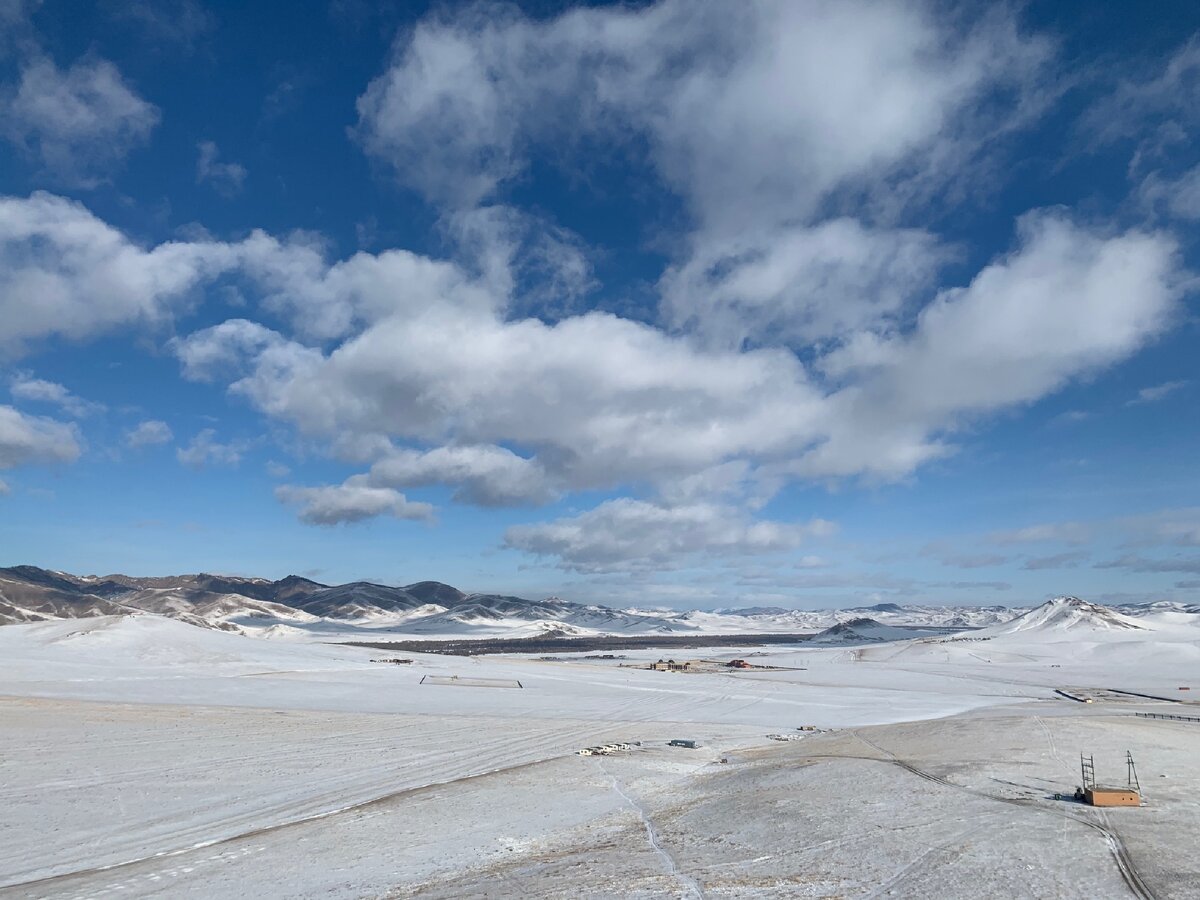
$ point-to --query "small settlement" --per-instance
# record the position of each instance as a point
(703, 665)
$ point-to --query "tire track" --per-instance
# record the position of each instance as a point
(1116, 845)
(690, 887)
(52, 880)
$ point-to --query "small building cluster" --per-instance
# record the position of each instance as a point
(607, 749)
(669, 665)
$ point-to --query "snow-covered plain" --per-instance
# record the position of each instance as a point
(142, 756)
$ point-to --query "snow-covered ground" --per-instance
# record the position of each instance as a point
(144, 756)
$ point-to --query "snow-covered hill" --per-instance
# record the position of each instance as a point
(866, 631)
(1065, 616)
(296, 608)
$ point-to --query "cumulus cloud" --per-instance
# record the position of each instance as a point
(800, 285)
(469, 93)
(26, 439)
(148, 433)
(226, 178)
(351, 501)
(26, 387)
(223, 349)
(485, 475)
(626, 534)
(204, 450)
(422, 351)
(894, 107)
(1067, 302)
(66, 273)
(79, 123)
(602, 401)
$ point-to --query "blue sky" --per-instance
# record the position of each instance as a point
(819, 305)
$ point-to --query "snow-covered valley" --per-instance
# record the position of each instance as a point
(145, 756)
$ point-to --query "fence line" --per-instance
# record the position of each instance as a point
(1167, 716)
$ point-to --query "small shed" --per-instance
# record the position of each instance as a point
(1100, 795)
(686, 744)
(1112, 796)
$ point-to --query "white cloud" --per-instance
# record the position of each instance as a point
(484, 474)
(278, 469)
(1158, 113)
(226, 178)
(601, 401)
(1071, 417)
(352, 501)
(221, 351)
(26, 439)
(1068, 560)
(37, 390)
(64, 272)
(4, 488)
(1173, 526)
(1066, 303)
(205, 449)
(1178, 195)
(179, 23)
(965, 560)
(715, 96)
(1170, 91)
(761, 125)
(1045, 532)
(421, 351)
(626, 534)
(1137, 563)
(148, 433)
(80, 123)
(1156, 392)
(800, 285)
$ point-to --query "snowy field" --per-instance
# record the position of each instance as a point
(141, 756)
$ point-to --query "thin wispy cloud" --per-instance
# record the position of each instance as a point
(1157, 392)
(226, 178)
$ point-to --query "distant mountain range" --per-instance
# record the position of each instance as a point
(296, 607)
(295, 604)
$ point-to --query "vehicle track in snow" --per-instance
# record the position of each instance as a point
(1116, 845)
(65, 877)
(690, 887)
